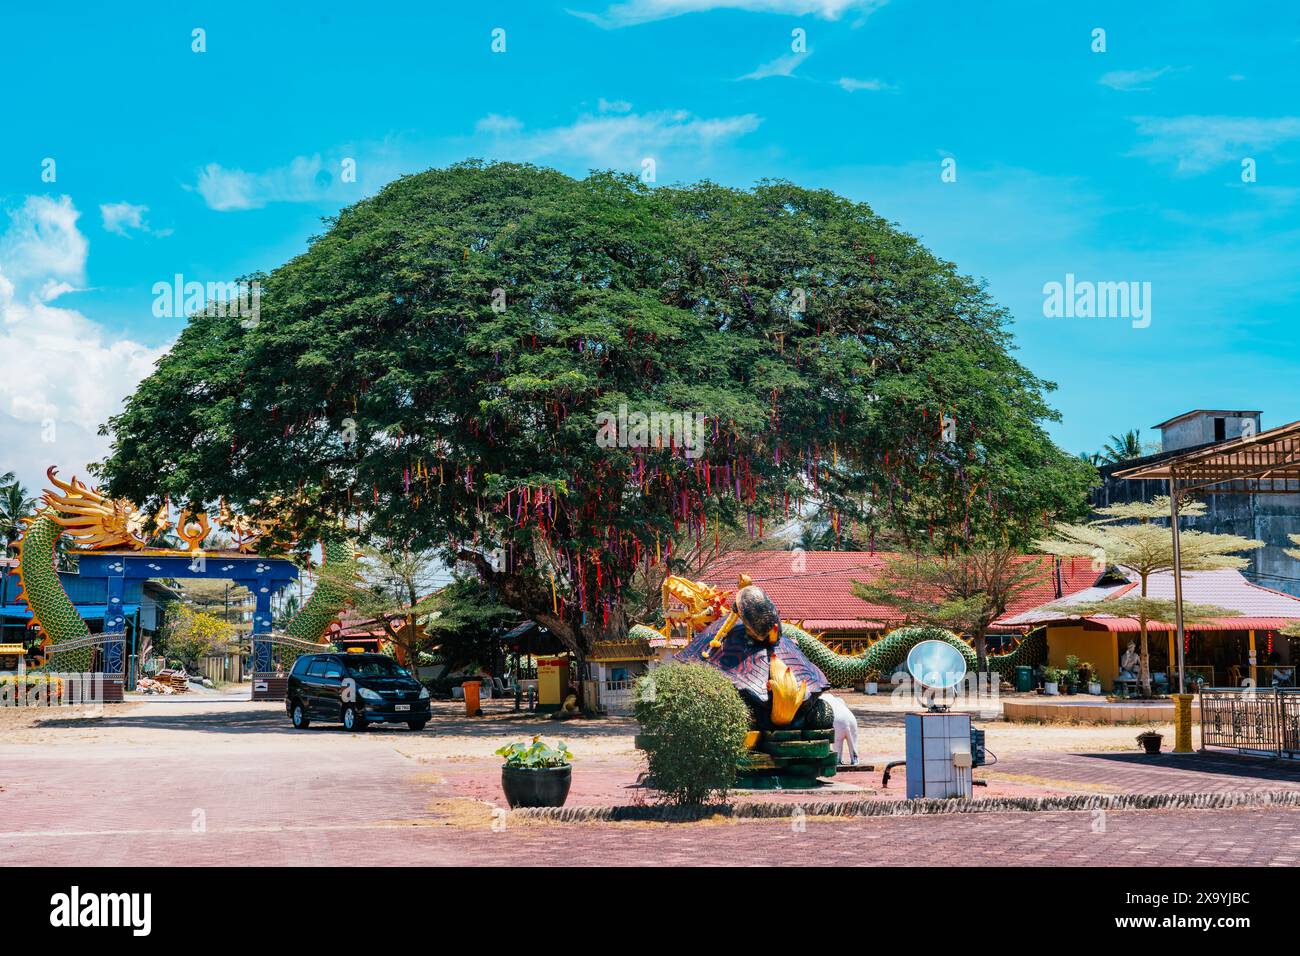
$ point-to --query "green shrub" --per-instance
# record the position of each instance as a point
(694, 724)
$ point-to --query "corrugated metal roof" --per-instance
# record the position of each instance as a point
(1128, 625)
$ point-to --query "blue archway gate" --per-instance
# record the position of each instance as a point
(264, 577)
(111, 538)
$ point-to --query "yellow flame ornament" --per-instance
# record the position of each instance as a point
(787, 694)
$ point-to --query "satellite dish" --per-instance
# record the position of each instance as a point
(936, 664)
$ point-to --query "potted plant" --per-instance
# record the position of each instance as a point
(1071, 674)
(1150, 740)
(872, 684)
(1051, 681)
(1086, 673)
(536, 774)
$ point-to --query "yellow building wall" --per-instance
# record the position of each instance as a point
(1097, 648)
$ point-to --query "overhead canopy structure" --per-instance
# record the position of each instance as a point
(1264, 464)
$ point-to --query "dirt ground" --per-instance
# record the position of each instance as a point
(453, 736)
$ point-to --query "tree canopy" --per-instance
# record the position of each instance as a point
(437, 366)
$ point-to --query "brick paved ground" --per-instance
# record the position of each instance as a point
(1125, 772)
(232, 783)
(1130, 838)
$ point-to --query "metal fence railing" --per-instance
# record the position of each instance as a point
(1253, 720)
(274, 654)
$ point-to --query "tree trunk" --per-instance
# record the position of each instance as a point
(526, 594)
(1144, 672)
(981, 653)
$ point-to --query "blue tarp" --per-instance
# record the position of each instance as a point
(88, 612)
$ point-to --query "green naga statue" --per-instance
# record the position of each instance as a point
(96, 523)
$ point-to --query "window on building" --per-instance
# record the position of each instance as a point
(1220, 429)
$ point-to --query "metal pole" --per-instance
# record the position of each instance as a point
(1178, 575)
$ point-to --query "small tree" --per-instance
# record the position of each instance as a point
(964, 592)
(15, 505)
(1122, 447)
(395, 589)
(191, 635)
(694, 723)
(1145, 548)
(463, 623)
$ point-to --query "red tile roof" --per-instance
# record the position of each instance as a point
(817, 586)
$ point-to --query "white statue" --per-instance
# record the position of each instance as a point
(846, 730)
(1130, 663)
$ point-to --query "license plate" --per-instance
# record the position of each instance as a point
(402, 707)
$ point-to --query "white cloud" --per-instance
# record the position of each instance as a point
(65, 374)
(1133, 81)
(120, 217)
(316, 178)
(1199, 143)
(43, 242)
(850, 85)
(304, 179)
(632, 12)
(495, 125)
(613, 106)
(781, 66)
(618, 141)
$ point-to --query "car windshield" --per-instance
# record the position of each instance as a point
(376, 667)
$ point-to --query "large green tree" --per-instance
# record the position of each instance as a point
(435, 368)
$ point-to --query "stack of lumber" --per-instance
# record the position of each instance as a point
(177, 680)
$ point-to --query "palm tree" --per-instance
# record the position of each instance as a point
(15, 505)
(1122, 447)
(1091, 457)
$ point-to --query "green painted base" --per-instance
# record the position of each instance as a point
(776, 781)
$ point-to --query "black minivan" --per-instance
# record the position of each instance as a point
(355, 689)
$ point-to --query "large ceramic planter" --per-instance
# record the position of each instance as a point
(1094, 688)
(1151, 743)
(1050, 688)
(536, 788)
(872, 687)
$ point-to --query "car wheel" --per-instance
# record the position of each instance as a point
(416, 724)
(353, 720)
(299, 716)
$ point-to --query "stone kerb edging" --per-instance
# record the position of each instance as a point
(910, 808)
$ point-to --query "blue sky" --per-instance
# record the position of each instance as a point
(1116, 166)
